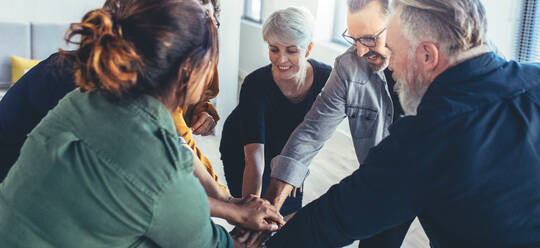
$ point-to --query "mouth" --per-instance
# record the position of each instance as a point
(372, 56)
(284, 68)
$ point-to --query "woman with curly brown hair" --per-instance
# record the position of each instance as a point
(105, 168)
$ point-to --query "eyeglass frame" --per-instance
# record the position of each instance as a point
(362, 39)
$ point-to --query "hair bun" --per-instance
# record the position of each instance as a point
(104, 60)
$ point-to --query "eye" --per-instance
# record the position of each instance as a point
(273, 50)
(292, 51)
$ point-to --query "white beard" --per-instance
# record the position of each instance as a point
(411, 90)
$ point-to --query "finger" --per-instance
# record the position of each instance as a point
(237, 231)
(262, 238)
(207, 126)
(237, 244)
(209, 123)
(198, 124)
(254, 237)
(275, 216)
(243, 238)
(270, 227)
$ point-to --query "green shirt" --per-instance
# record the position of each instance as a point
(99, 173)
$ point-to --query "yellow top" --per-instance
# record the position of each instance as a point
(184, 116)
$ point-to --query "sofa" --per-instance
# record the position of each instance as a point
(30, 41)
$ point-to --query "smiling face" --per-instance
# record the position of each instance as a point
(368, 22)
(288, 61)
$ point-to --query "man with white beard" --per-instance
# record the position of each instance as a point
(466, 159)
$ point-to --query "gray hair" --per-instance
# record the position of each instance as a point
(357, 5)
(290, 26)
(454, 25)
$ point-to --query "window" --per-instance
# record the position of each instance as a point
(528, 47)
(340, 22)
(253, 10)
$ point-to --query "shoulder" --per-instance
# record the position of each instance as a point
(320, 67)
(257, 79)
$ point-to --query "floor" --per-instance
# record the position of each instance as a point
(335, 161)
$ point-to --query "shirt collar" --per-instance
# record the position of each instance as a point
(468, 69)
(156, 111)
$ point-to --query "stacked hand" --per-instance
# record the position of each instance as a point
(258, 214)
(253, 238)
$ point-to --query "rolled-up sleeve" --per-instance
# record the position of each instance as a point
(328, 110)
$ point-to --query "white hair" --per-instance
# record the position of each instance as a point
(290, 26)
(357, 5)
(454, 25)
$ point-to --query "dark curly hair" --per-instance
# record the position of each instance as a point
(143, 47)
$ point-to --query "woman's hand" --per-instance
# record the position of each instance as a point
(259, 214)
(204, 124)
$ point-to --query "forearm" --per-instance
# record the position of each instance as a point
(253, 171)
(225, 210)
(328, 110)
(209, 184)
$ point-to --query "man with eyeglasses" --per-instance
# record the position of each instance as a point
(359, 89)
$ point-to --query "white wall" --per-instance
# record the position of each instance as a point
(229, 44)
(503, 18)
(50, 11)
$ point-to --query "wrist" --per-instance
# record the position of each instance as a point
(277, 192)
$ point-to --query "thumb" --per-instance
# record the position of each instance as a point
(271, 227)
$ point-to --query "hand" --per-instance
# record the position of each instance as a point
(250, 238)
(238, 244)
(203, 124)
(259, 214)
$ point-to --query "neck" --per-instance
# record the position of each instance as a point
(459, 58)
(171, 101)
(296, 88)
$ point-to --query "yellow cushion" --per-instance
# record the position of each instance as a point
(19, 66)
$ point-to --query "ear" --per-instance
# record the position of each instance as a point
(308, 50)
(428, 57)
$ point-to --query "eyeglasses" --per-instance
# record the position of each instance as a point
(366, 41)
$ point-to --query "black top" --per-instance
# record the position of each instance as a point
(264, 115)
(27, 102)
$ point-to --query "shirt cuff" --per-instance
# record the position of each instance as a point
(288, 170)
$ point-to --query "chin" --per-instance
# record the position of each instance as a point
(379, 66)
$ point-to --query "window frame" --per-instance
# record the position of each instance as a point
(528, 36)
(340, 10)
(248, 15)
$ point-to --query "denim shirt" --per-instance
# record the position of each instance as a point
(353, 90)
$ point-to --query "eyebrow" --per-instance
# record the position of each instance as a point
(295, 47)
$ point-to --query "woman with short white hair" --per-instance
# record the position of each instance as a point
(273, 101)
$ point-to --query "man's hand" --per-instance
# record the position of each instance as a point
(277, 192)
(259, 214)
(203, 124)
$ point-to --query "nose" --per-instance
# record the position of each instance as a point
(361, 50)
(282, 58)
